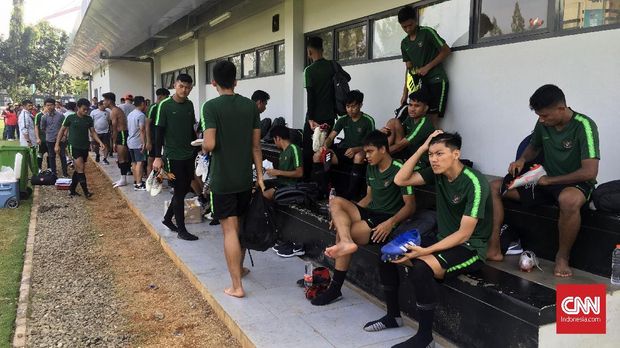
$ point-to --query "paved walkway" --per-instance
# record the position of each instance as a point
(274, 312)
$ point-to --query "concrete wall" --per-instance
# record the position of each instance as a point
(130, 77)
(101, 81)
(179, 58)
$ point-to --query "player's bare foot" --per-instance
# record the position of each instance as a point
(561, 268)
(244, 271)
(341, 249)
(234, 292)
(493, 255)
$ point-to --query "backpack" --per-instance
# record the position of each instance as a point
(46, 177)
(606, 197)
(303, 194)
(265, 126)
(341, 87)
(297, 137)
(278, 121)
(259, 230)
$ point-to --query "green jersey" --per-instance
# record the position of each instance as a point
(387, 197)
(422, 51)
(467, 195)
(354, 131)
(234, 118)
(289, 160)
(78, 130)
(178, 120)
(565, 149)
(37, 123)
(318, 80)
(416, 134)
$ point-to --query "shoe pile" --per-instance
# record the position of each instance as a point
(289, 249)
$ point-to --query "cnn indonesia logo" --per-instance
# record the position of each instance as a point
(581, 309)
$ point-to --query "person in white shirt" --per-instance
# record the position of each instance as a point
(136, 140)
(101, 119)
(25, 121)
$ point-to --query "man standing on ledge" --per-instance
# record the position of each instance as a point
(174, 127)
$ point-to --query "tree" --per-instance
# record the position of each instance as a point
(495, 30)
(518, 23)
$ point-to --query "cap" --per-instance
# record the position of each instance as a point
(128, 96)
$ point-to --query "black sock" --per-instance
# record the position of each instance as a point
(74, 182)
(388, 274)
(426, 313)
(170, 211)
(338, 279)
(356, 181)
(320, 177)
(391, 301)
(82, 179)
(40, 162)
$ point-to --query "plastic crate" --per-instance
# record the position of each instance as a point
(9, 194)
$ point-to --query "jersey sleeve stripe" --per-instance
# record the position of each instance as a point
(203, 122)
(477, 192)
(435, 36)
(589, 135)
(296, 156)
(409, 189)
(416, 130)
(159, 110)
(372, 120)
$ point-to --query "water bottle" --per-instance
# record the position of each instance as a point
(615, 266)
(332, 193)
(309, 267)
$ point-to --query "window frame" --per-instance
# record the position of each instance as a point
(175, 73)
(336, 42)
(255, 51)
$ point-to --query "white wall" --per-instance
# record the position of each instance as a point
(179, 58)
(101, 81)
(130, 78)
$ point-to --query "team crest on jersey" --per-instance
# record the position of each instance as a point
(359, 129)
(567, 143)
(420, 44)
(456, 199)
(387, 183)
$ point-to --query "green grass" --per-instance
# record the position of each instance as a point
(13, 233)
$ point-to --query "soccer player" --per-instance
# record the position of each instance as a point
(41, 143)
(260, 98)
(464, 220)
(174, 131)
(78, 125)
(290, 168)
(101, 118)
(570, 145)
(119, 136)
(372, 219)
(26, 125)
(135, 141)
(231, 132)
(161, 93)
(51, 124)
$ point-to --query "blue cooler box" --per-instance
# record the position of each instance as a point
(9, 194)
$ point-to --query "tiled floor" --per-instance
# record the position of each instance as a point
(275, 312)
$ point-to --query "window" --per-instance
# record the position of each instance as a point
(511, 17)
(249, 64)
(590, 13)
(386, 37)
(210, 66)
(168, 78)
(352, 43)
(190, 72)
(328, 44)
(237, 61)
(266, 61)
(450, 19)
(280, 65)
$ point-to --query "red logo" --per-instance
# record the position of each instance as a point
(580, 309)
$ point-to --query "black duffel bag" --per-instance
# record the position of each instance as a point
(45, 177)
(606, 197)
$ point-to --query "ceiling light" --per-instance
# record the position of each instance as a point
(186, 36)
(143, 57)
(158, 49)
(219, 19)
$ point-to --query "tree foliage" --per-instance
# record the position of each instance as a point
(33, 55)
(518, 23)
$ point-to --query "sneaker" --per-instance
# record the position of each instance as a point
(281, 245)
(156, 187)
(186, 236)
(531, 177)
(120, 183)
(291, 250)
(397, 247)
(197, 142)
(528, 260)
(387, 322)
(149, 180)
(88, 194)
(139, 187)
(329, 296)
(74, 194)
(97, 159)
(202, 166)
(105, 161)
(414, 342)
(514, 248)
(171, 226)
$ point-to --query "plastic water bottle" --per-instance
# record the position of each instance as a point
(615, 266)
(309, 267)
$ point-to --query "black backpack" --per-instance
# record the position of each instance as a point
(297, 137)
(265, 126)
(606, 197)
(278, 121)
(302, 194)
(341, 87)
(259, 230)
(46, 177)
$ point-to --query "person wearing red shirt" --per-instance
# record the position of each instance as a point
(10, 122)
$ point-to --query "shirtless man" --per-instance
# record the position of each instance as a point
(119, 136)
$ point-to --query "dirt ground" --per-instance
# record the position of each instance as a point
(163, 308)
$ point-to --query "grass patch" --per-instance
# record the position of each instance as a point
(13, 233)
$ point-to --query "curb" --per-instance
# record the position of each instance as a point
(20, 337)
(229, 322)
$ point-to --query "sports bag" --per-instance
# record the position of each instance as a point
(259, 230)
(278, 121)
(298, 194)
(265, 126)
(341, 88)
(45, 177)
(606, 197)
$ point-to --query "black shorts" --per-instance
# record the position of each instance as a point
(230, 204)
(339, 152)
(549, 194)
(78, 153)
(104, 137)
(458, 260)
(438, 93)
(43, 148)
(372, 217)
(121, 138)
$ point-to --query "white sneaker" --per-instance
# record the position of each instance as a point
(120, 183)
(155, 188)
(528, 261)
(514, 248)
(197, 142)
(149, 180)
(531, 177)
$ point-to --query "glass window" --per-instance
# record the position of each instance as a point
(167, 80)
(386, 37)
(210, 66)
(190, 72)
(237, 61)
(328, 44)
(352, 43)
(266, 61)
(450, 19)
(589, 13)
(249, 64)
(503, 17)
(280, 67)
